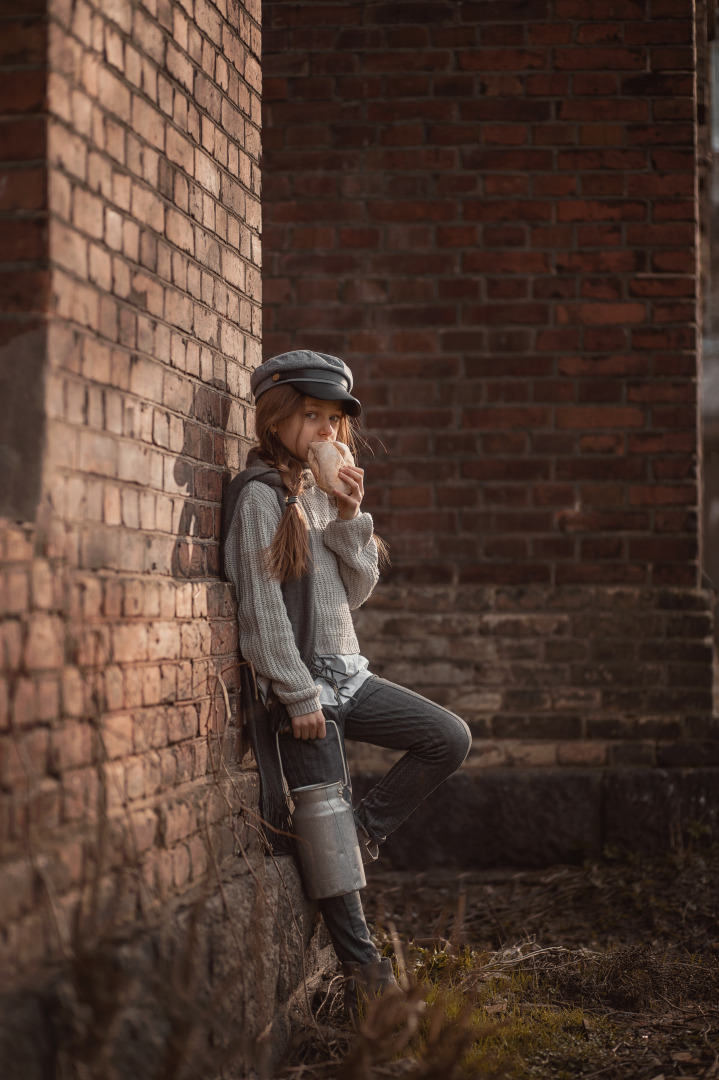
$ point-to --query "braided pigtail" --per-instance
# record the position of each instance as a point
(288, 556)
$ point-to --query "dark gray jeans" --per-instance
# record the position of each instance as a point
(435, 742)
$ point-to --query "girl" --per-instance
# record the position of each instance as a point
(300, 561)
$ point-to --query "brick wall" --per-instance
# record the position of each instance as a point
(574, 677)
(114, 623)
(489, 210)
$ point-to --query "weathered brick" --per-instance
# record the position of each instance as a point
(73, 692)
(181, 723)
(129, 642)
(163, 641)
(116, 735)
(16, 592)
(144, 829)
(178, 822)
(17, 895)
(147, 208)
(24, 706)
(70, 747)
(135, 779)
(45, 643)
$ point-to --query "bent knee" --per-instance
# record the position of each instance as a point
(459, 741)
(464, 739)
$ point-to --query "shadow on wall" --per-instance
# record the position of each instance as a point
(200, 468)
(22, 421)
(710, 548)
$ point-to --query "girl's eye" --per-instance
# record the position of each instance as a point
(334, 419)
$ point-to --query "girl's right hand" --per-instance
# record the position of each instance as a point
(309, 725)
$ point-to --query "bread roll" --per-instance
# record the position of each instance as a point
(326, 459)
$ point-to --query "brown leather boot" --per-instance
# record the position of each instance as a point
(364, 982)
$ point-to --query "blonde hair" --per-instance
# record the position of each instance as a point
(288, 557)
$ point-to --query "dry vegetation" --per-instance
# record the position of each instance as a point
(607, 971)
(610, 970)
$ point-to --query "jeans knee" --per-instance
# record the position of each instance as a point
(462, 742)
(457, 742)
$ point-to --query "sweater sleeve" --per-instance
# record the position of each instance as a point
(353, 544)
(266, 636)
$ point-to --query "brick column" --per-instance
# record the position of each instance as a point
(490, 211)
(135, 272)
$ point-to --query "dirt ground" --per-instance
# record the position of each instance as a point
(607, 970)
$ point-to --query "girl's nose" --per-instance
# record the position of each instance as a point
(326, 428)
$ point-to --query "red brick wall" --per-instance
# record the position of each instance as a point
(114, 623)
(489, 210)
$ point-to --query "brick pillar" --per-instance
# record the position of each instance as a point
(134, 187)
(490, 211)
(23, 258)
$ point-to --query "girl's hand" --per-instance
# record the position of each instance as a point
(309, 725)
(348, 505)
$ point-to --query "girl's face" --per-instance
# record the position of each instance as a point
(315, 421)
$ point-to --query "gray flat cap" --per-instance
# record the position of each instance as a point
(315, 374)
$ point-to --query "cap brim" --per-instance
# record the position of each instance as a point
(326, 391)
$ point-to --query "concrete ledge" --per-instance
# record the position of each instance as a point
(487, 818)
(206, 990)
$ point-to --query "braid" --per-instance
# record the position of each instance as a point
(289, 554)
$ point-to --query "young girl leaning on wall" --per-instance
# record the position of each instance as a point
(300, 561)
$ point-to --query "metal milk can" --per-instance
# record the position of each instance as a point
(327, 845)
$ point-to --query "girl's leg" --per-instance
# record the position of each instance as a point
(319, 761)
(348, 930)
(436, 740)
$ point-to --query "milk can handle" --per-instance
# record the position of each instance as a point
(342, 755)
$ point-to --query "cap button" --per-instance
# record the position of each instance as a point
(275, 377)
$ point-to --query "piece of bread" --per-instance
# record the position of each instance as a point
(326, 459)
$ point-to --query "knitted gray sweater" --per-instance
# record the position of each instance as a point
(344, 565)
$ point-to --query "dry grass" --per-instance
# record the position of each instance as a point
(608, 970)
(482, 996)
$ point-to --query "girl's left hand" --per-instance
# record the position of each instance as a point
(348, 505)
